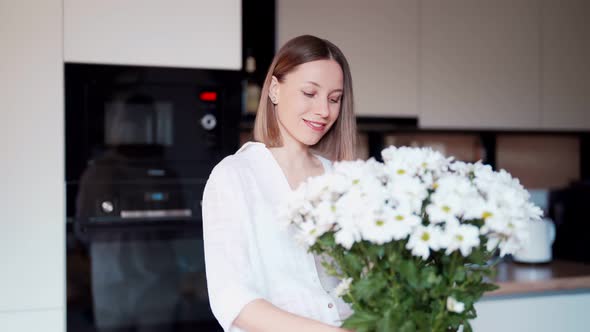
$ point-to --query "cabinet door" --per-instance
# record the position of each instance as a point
(566, 64)
(32, 199)
(479, 64)
(33, 320)
(378, 37)
(178, 33)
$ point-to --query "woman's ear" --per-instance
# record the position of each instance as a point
(273, 90)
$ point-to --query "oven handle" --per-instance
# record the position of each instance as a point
(87, 230)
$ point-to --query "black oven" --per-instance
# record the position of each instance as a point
(140, 143)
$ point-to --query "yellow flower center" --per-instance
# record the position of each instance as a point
(379, 223)
(401, 171)
(459, 238)
(333, 208)
(399, 217)
(446, 208)
(486, 215)
(425, 236)
(356, 181)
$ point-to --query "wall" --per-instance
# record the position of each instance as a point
(32, 217)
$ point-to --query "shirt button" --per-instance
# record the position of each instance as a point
(330, 305)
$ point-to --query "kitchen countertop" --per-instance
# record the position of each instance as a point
(527, 279)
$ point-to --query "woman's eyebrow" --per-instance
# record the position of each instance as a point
(319, 86)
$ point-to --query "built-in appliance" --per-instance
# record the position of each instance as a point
(140, 144)
(569, 208)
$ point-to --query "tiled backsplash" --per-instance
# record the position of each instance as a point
(538, 160)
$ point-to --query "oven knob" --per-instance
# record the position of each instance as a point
(209, 122)
(107, 206)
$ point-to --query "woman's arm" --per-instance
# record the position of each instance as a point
(262, 316)
(233, 294)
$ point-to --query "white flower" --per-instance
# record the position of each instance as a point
(347, 236)
(375, 228)
(343, 287)
(407, 191)
(423, 239)
(455, 306)
(389, 224)
(444, 209)
(414, 161)
(462, 237)
(403, 224)
(451, 198)
(324, 214)
(308, 233)
(478, 208)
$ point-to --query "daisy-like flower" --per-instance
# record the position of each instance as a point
(343, 287)
(414, 161)
(407, 191)
(389, 224)
(448, 202)
(423, 239)
(375, 228)
(463, 238)
(324, 214)
(445, 209)
(308, 234)
(403, 224)
(455, 306)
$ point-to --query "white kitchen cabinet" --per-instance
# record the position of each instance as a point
(479, 64)
(533, 312)
(178, 33)
(32, 214)
(378, 37)
(30, 321)
(566, 64)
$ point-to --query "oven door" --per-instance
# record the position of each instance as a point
(148, 275)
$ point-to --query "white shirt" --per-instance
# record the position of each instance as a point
(249, 255)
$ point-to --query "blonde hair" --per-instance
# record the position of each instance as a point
(339, 142)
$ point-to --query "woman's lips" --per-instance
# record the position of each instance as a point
(317, 126)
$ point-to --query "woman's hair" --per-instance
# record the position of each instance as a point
(339, 142)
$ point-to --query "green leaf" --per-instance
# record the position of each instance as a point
(386, 324)
(459, 274)
(352, 263)
(409, 271)
(488, 287)
(408, 326)
(361, 321)
(369, 287)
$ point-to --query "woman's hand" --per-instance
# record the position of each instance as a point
(262, 316)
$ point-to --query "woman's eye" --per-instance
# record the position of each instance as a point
(308, 94)
(335, 100)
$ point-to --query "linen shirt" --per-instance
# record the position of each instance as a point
(249, 255)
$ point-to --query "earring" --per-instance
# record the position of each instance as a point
(273, 99)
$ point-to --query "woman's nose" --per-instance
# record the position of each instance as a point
(323, 109)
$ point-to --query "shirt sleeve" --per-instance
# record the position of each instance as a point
(230, 282)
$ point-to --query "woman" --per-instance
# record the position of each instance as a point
(259, 278)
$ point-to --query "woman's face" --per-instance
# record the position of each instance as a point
(308, 100)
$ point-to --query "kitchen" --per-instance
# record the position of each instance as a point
(504, 81)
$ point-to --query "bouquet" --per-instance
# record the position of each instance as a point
(412, 238)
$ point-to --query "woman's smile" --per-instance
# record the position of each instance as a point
(316, 126)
